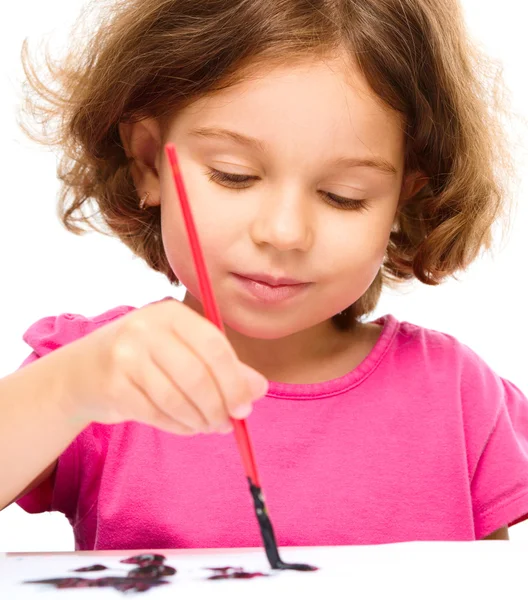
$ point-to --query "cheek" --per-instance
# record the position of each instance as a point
(361, 241)
(216, 230)
(175, 243)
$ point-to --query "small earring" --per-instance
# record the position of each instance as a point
(144, 200)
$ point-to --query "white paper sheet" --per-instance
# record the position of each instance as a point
(417, 570)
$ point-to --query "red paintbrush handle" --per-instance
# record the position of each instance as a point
(246, 450)
(210, 306)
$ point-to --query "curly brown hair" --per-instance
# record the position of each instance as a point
(150, 58)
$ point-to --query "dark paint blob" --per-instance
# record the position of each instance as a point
(121, 584)
(294, 566)
(144, 560)
(268, 537)
(88, 569)
(233, 573)
(136, 585)
(141, 579)
(64, 582)
(152, 572)
(125, 584)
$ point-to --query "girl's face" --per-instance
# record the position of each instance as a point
(295, 173)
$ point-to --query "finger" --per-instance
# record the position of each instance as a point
(192, 376)
(161, 391)
(210, 344)
(258, 385)
(150, 414)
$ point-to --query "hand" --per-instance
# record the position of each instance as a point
(163, 365)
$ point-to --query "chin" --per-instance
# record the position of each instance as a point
(269, 326)
(263, 329)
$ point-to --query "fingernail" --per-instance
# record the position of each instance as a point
(258, 384)
(243, 411)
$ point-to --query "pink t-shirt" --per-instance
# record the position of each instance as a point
(421, 441)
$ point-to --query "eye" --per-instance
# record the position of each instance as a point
(346, 203)
(230, 179)
(236, 181)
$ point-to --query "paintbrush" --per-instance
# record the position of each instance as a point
(239, 426)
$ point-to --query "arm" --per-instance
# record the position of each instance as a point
(36, 425)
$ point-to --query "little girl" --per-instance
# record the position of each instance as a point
(328, 147)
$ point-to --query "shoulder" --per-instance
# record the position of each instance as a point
(450, 365)
(462, 377)
(438, 347)
(52, 332)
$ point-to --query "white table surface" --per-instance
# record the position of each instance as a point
(411, 570)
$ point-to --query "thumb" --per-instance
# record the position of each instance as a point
(258, 384)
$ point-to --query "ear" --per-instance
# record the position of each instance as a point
(142, 142)
(412, 183)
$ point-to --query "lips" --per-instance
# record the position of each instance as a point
(268, 290)
(270, 280)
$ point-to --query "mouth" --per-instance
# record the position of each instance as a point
(268, 290)
(270, 280)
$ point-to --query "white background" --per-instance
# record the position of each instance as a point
(46, 271)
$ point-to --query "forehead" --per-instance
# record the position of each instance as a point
(323, 104)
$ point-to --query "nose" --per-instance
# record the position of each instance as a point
(284, 221)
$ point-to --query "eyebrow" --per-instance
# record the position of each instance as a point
(374, 163)
(211, 132)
